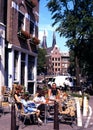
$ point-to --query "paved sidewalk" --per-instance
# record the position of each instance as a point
(5, 124)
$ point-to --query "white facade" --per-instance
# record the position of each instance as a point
(2, 55)
(19, 44)
(22, 68)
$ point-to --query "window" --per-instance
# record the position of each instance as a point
(15, 65)
(58, 64)
(55, 69)
(31, 27)
(55, 59)
(20, 21)
(58, 59)
(55, 64)
(58, 69)
(22, 68)
(52, 59)
(66, 65)
(63, 65)
(64, 59)
(31, 67)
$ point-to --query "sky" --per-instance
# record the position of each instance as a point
(45, 24)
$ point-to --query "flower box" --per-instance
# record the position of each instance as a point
(32, 2)
(24, 34)
(35, 40)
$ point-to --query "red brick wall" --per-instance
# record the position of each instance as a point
(12, 23)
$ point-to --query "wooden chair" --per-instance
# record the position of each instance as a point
(69, 114)
(5, 104)
(21, 114)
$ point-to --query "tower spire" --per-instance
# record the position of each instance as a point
(44, 43)
(54, 40)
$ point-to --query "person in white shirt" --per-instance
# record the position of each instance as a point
(39, 98)
(40, 101)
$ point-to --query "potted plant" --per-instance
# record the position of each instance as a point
(24, 34)
(35, 40)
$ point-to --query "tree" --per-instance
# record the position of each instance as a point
(41, 61)
(74, 21)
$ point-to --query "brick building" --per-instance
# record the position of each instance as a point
(57, 61)
(19, 43)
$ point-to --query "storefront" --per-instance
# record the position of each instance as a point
(2, 55)
(22, 68)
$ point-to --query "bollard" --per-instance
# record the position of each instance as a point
(85, 105)
(13, 117)
(45, 118)
(56, 119)
(79, 117)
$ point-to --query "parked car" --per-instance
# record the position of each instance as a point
(61, 81)
(45, 80)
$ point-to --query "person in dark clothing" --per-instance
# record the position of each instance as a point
(53, 92)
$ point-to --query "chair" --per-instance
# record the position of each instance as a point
(22, 115)
(5, 104)
(69, 112)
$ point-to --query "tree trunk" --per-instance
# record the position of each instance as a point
(77, 72)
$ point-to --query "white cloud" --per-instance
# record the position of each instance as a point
(47, 27)
(41, 33)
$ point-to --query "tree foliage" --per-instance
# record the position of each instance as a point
(74, 20)
(41, 61)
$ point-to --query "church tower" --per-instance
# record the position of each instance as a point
(54, 40)
(44, 43)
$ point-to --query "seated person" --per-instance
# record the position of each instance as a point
(53, 93)
(29, 106)
(26, 105)
(39, 98)
(40, 101)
